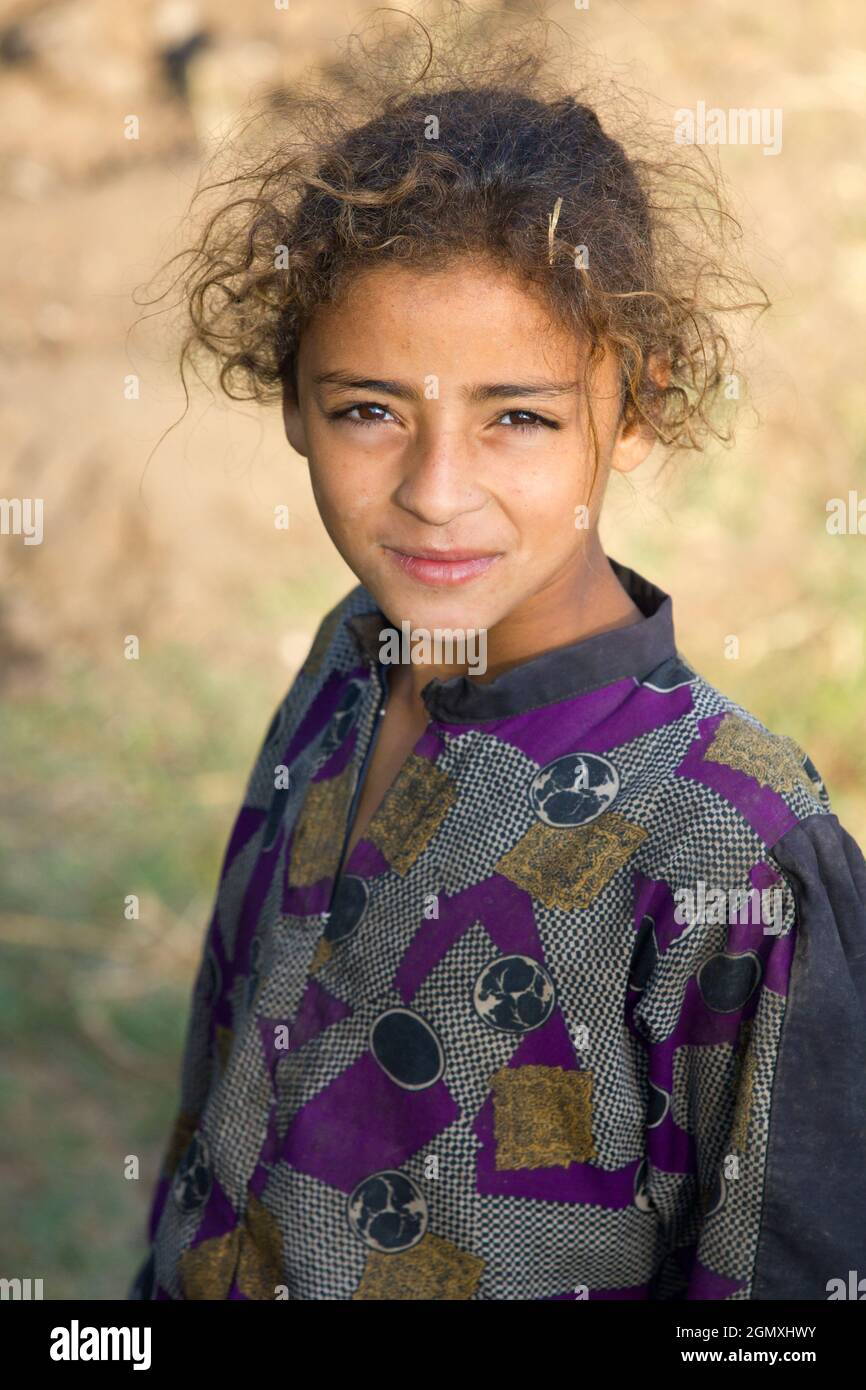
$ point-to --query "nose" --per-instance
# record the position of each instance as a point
(441, 477)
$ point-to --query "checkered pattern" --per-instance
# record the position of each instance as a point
(536, 1233)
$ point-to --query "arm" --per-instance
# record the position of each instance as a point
(210, 1026)
(208, 1036)
(755, 1047)
(813, 1223)
(230, 947)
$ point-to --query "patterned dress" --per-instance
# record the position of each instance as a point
(582, 1015)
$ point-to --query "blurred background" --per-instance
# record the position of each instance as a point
(125, 776)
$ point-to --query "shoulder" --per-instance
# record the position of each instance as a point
(333, 652)
(332, 657)
(333, 647)
(723, 772)
(826, 870)
(732, 806)
(712, 793)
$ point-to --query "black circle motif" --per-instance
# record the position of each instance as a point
(670, 675)
(657, 1107)
(388, 1211)
(515, 994)
(347, 909)
(726, 981)
(644, 955)
(574, 789)
(194, 1177)
(717, 1195)
(343, 718)
(641, 1189)
(407, 1049)
(276, 811)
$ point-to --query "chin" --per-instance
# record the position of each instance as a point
(438, 608)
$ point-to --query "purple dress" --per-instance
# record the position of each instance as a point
(582, 1015)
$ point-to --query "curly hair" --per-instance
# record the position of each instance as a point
(450, 139)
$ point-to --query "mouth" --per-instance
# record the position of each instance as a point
(443, 567)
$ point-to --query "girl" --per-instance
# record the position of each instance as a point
(545, 980)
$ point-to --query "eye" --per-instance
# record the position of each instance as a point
(536, 421)
(346, 413)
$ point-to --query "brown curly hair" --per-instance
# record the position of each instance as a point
(456, 137)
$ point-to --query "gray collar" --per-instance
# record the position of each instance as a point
(555, 675)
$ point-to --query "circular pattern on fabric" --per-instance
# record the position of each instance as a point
(717, 1195)
(193, 1179)
(814, 776)
(641, 1187)
(644, 955)
(574, 789)
(343, 718)
(514, 994)
(670, 675)
(347, 908)
(658, 1106)
(388, 1211)
(726, 981)
(407, 1049)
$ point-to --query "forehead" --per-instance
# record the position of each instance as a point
(467, 311)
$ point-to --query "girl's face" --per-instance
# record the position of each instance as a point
(443, 412)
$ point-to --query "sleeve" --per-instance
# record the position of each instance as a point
(812, 1239)
(755, 1043)
(210, 1026)
(210, 1022)
(209, 1032)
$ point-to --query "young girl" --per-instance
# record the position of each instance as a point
(541, 976)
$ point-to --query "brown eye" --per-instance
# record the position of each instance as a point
(346, 413)
(531, 422)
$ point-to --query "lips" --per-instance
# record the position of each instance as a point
(442, 567)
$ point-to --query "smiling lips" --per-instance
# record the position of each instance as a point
(440, 567)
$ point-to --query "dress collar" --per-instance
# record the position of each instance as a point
(554, 675)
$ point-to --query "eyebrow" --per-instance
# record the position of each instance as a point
(403, 390)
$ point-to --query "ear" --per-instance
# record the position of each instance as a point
(633, 444)
(636, 437)
(292, 420)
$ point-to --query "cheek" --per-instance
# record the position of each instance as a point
(344, 496)
(540, 495)
(546, 507)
